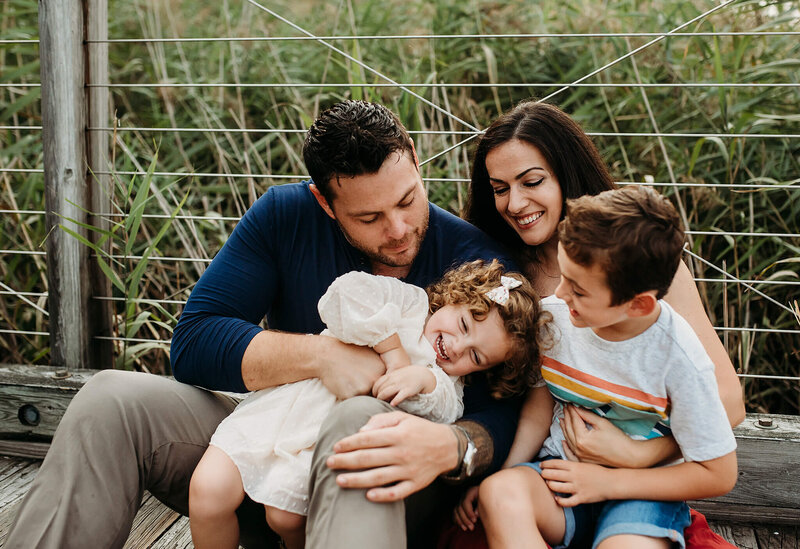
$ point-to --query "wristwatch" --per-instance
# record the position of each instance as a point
(466, 465)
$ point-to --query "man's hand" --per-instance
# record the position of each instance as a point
(465, 515)
(573, 483)
(395, 454)
(349, 370)
(398, 385)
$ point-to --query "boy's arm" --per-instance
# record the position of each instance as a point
(533, 427)
(587, 483)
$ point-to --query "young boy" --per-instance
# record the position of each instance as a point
(623, 353)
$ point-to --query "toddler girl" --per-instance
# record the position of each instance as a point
(475, 318)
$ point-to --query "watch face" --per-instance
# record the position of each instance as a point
(469, 461)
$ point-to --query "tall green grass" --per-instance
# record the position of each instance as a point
(675, 60)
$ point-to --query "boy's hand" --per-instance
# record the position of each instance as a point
(576, 482)
(590, 437)
(465, 515)
(397, 385)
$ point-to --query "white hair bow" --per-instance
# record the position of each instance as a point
(500, 294)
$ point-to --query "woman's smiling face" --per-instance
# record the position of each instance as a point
(526, 192)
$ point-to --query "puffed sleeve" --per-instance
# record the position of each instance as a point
(444, 404)
(365, 309)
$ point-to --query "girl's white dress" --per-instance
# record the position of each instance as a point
(271, 433)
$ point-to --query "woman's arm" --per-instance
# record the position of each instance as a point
(685, 299)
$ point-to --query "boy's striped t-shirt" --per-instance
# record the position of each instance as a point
(657, 383)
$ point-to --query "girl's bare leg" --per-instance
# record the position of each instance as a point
(215, 492)
(518, 510)
(289, 526)
(630, 541)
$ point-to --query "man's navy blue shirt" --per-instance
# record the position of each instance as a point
(279, 260)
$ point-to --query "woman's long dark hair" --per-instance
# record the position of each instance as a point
(570, 153)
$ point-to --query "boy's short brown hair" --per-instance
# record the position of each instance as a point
(634, 234)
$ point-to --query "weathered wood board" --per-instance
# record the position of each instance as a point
(33, 399)
(768, 489)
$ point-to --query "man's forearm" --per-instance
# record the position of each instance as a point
(274, 358)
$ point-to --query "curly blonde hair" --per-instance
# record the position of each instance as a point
(522, 318)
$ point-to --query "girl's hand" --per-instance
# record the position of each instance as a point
(465, 515)
(573, 483)
(397, 385)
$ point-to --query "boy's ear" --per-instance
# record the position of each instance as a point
(321, 201)
(643, 304)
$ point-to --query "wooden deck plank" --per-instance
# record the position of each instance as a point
(158, 527)
(777, 537)
(14, 486)
(152, 520)
(177, 537)
(15, 478)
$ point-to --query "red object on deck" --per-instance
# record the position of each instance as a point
(698, 535)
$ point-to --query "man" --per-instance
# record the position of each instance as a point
(366, 209)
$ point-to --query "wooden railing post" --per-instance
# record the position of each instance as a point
(62, 51)
(99, 184)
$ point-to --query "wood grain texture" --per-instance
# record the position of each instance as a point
(101, 351)
(41, 387)
(152, 520)
(768, 489)
(61, 53)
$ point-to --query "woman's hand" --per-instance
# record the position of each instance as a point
(465, 515)
(397, 385)
(590, 438)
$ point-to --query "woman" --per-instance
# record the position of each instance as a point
(528, 163)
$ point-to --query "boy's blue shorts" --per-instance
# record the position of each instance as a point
(590, 523)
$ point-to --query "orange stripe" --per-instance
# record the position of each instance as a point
(587, 393)
(621, 390)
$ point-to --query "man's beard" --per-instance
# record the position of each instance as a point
(377, 257)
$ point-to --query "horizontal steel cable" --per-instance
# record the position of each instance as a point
(23, 332)
(436, 36)
(409, 37)
(446, 85)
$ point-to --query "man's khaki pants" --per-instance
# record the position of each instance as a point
(127, 432)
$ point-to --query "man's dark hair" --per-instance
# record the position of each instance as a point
(352, 138)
